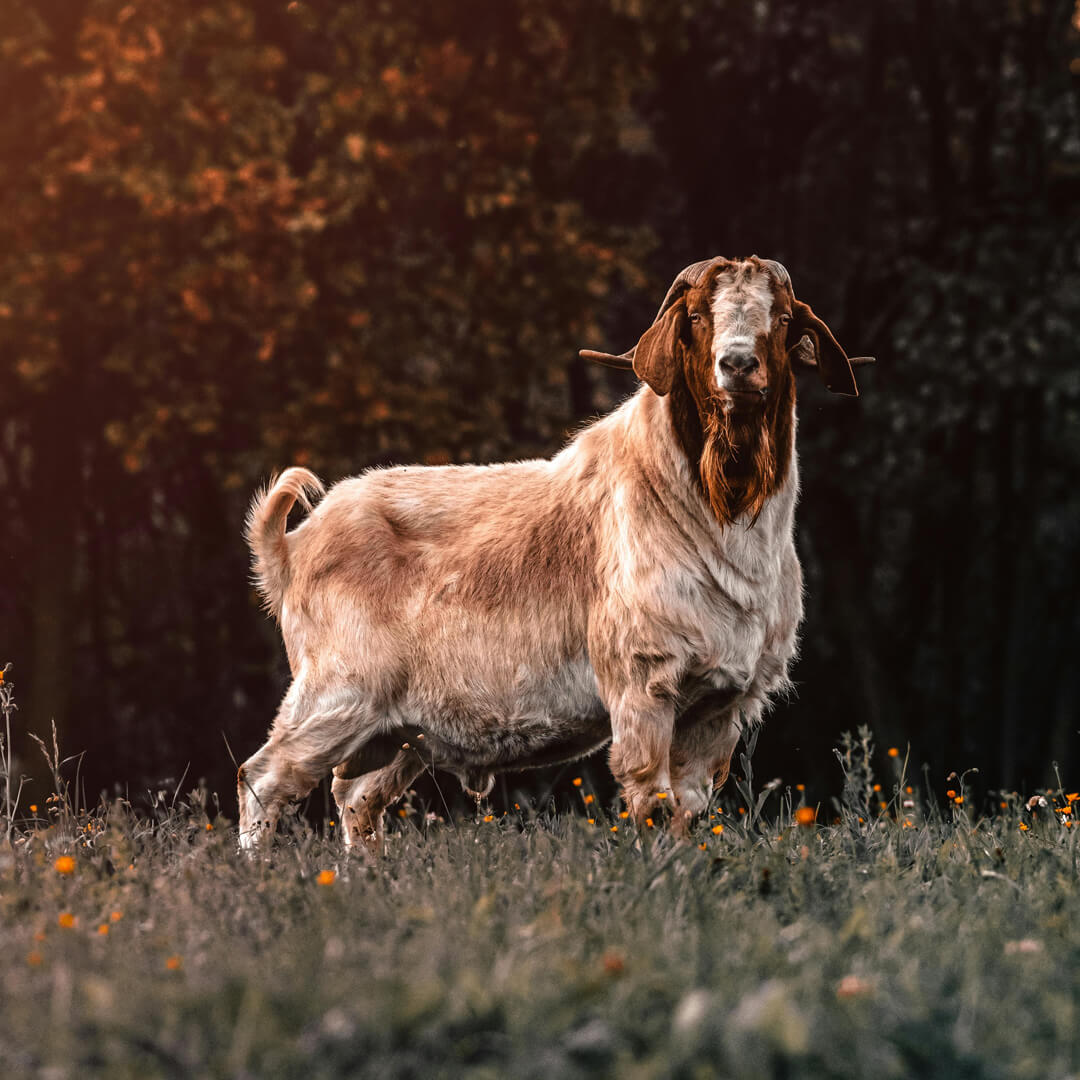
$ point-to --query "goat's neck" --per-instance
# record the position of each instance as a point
(668, 446)
(738, 465)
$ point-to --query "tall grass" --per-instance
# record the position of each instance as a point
(895, 935)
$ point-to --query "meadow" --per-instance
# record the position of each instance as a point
(894, 932)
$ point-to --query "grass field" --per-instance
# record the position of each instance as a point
(902, 940)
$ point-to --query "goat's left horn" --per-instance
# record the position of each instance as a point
(806, 357)
(779, 271)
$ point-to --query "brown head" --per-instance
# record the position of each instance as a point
(725, 345)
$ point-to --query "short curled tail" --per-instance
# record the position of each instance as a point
(265, 530)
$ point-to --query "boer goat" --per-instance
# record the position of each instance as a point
(640, 588)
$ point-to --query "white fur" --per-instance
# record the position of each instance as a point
(742, 311)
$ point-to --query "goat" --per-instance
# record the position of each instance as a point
(639, 588)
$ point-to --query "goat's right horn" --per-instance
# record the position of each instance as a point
(624, 362)
(688, 277)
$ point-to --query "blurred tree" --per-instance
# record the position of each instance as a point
(240, 236)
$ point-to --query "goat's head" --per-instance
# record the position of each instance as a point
(725, 344)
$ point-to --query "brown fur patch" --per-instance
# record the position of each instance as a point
(740, 452)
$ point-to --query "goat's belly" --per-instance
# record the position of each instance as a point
(517, 745)
(509, 720)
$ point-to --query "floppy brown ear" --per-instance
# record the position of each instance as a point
(803, 353)
(831, 361)
(656, 355)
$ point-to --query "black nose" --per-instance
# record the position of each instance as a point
(738, 363)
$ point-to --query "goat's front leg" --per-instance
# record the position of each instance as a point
(701, 752)
(642, 722)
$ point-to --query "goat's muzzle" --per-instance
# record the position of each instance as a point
(742, 403)
(743, 380)
(739, 365)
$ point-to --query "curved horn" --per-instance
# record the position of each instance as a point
(688, 277)
(778, 270)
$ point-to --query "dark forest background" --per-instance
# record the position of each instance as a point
(241, 235)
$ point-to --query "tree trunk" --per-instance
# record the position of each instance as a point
(54, 510)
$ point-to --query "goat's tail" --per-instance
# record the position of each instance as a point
(265, 530)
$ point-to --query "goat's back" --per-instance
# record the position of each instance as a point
(425, 566)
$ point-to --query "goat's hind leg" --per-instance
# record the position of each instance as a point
(362, 800)
(306, 741)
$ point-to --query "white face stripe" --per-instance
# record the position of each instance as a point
(741, 310)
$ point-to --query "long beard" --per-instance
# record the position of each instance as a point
(738, 466)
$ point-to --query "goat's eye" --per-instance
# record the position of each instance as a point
(785, 319)
(695, 316)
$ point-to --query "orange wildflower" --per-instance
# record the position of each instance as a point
(613, 963)
(326, 877)
(806, 815)
(853, 986)
(576, 781)
(174, 963)
(67, 920)
(64, 865)
(717, 830)
(894, 751)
